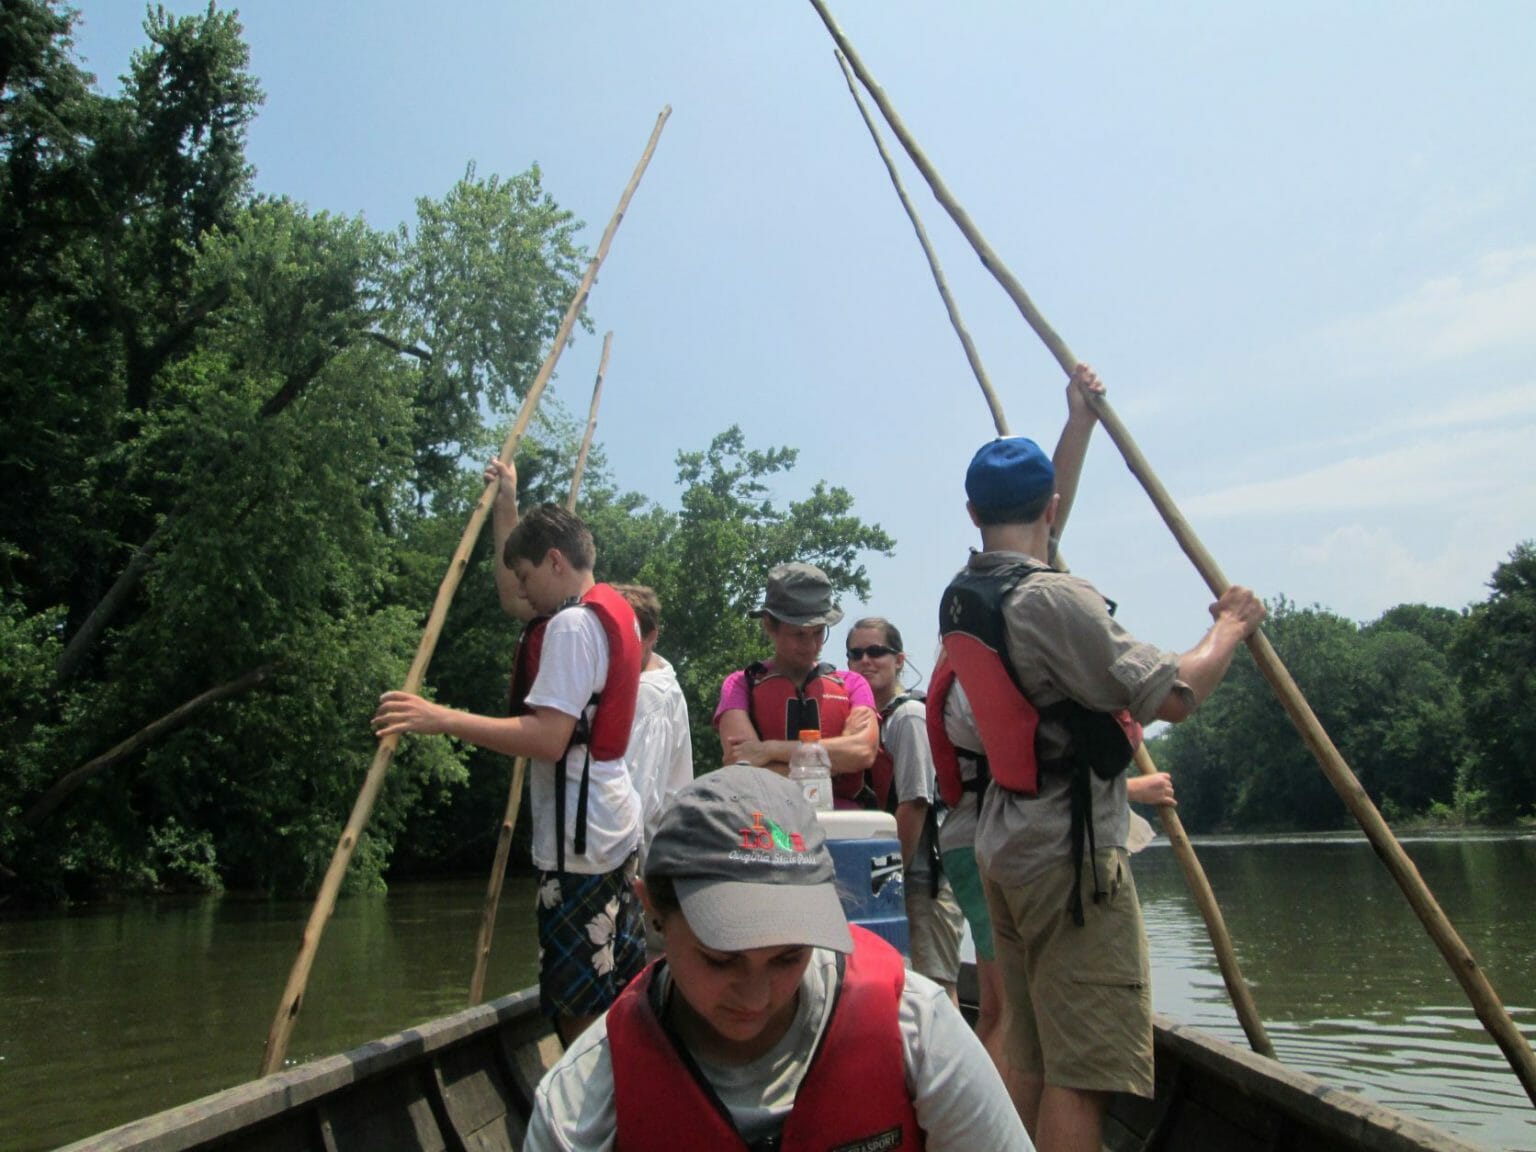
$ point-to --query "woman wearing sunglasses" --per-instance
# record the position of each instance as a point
(902, 781)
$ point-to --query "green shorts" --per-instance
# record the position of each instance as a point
(1079, 998)
(960, 867)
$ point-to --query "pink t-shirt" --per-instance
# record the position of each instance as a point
(733, 693)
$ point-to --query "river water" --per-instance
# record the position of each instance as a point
(108, 1014)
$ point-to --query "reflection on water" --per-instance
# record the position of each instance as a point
(1348, 983)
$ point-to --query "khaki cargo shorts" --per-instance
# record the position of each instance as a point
(935, 925)
(1079, 999)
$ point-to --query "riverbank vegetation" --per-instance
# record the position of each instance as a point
(1431, 707)
(242, 439)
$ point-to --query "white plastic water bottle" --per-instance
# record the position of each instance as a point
(811, 769)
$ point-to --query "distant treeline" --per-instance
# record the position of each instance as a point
(1435, 710)
(241, 442)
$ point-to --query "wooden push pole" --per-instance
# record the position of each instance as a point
(1485, 1001)
(1194, 873)
(586, 439)
(999, 420)
(520, 764)
(325, 902)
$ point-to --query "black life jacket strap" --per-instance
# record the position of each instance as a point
(753, 674)
(1082, 828)
(560, 821)
(977, 783)
(581, 734)
(935, 857)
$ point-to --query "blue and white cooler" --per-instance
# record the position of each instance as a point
(867, 857)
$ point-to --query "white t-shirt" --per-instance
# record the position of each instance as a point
(573, 666)
(959, 1098)
(660, 755)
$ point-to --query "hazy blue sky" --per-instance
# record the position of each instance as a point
(1297, 240)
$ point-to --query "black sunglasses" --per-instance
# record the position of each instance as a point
(874, 652)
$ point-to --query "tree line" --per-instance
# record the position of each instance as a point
(1431, 707)
(242, 440)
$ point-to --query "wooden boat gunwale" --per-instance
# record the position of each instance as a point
(1197, 1074)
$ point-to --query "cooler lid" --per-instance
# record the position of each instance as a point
(857, 824)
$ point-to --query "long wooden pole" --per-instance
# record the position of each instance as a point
(325, 902)
(1485, 1001)
(586, 439)
(520, 765)
(994, 405)
(1194, 873)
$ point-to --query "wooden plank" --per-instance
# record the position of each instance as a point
(476, 1098)
(391, 1114)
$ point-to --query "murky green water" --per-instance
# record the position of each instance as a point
(109, 1015)
(1348, 983)
(106, 1015)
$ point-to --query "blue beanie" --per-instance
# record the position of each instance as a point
(1008, 472)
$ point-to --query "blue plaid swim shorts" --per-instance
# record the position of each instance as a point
(591, 939)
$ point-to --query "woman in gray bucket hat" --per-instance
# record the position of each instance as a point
(764, 707)
(770, 1022)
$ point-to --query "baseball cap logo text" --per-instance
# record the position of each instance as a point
(765, 836)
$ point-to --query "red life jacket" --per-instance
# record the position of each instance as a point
(946, 757)
(975, 644)
(606, 736)
(854, 1095)
(779, 709)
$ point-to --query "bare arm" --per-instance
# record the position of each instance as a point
(735, 729)
(910, 815)
(543, 735)
(503, 520)
(1075, 434)
(1237, 614)
(852, 751)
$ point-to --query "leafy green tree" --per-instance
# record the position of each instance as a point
(1409, 738)
(1497, 655)
(234, 420)
(1386, 694)
(475, 293)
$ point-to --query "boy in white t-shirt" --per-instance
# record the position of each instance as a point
(574, 685)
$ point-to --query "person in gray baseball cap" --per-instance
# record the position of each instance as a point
(770, 1021)
(765, 706)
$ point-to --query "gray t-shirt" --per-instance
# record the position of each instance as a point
(905, 736)
(960, 1100)
(1064, 644)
